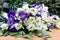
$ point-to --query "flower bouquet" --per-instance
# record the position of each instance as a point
(28, 20)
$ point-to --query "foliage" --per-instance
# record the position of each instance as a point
(54, 5)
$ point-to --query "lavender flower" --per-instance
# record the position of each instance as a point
(22, 15)
(11, 13)
(48, 14)
(33, 5)
(11, 20)
(39, 8)
(51, 26)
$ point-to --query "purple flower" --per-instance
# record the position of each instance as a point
(48, 14)
(11, 17)
(22, 15)
(11, 20)
(13, 29)
(33, 5)
(51, 26)
(11, 13)
(39, 7)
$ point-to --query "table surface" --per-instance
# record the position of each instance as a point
(55, 35)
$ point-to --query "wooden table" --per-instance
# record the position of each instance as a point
(55, 35)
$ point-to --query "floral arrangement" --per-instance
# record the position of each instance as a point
(28, 20)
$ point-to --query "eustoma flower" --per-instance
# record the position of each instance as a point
(33, 5)
(55, 17)
(11, 13)
(38, 8)
(38, 20)
(26, 8)
(56, 21)
(33, 23)
(41, 9)
(16, 27)
(51, 26)
(22, 14)
(11, 20)
(4, 26)
(5, 15)
(31, 27)
(33, 11)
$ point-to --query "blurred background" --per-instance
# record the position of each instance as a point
(54, 5)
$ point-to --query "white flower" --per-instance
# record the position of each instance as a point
(31, 27)
(58, 26)
(48, 19)
(25, 22)
(17, 16)
(44, 15)
(4, 26)
(33, 11)
(55, 16)
(57, 23)
(43, 26)
(4, 14)
(26, 8)
(17, 26)
(38, 20)
(45, 8)
(31, 19)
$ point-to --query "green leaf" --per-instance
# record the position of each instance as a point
(36, 32)
(13, 33)
(30, 35)
(1, 32)
(1, 23)
(5, 32)
(21, 33)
